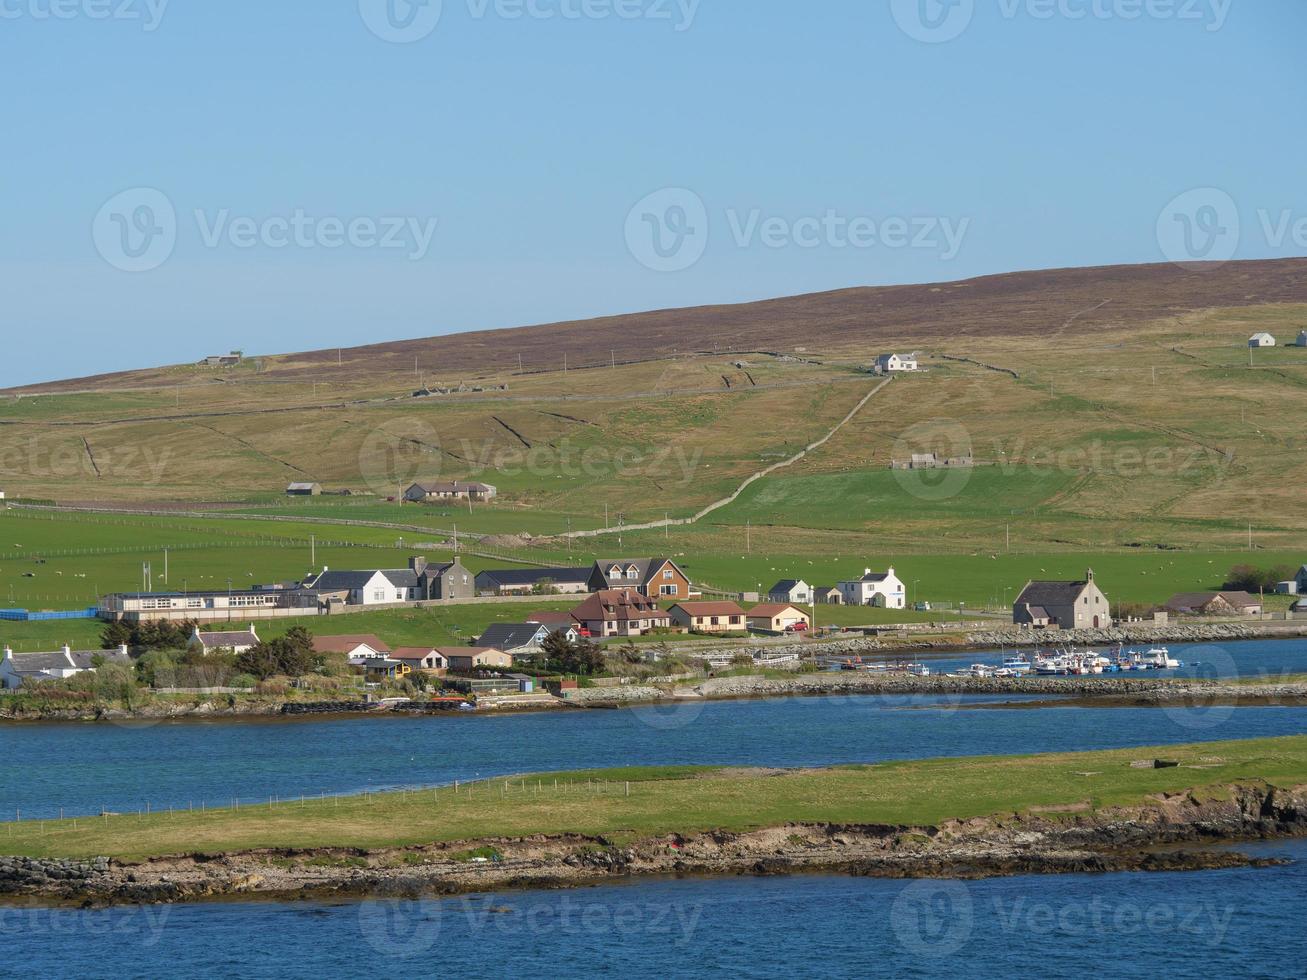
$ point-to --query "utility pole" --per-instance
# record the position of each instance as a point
(313, 551)
(605, 515)
(748, 537)
(519, 364)
(613, 355)
(455, 540)
(165, 566)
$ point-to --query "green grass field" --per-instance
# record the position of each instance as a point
(684, 800)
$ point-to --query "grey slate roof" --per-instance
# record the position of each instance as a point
(351, 581)
(786, 585)
(530, 576)
(235, 638)
(1051, 593)
(35, 663)
(509, 636)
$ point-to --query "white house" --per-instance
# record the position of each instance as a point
(891, 363)
(237, 641)
(17, 668)
(791, 590)
(883, 589)
(1262, 339)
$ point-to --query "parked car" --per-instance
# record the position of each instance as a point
(922, 607)
(797, 628)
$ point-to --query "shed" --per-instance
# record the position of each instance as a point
(304, 490)
(1261, 339)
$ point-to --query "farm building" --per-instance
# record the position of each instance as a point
(526, 581)
(449, 490)
(304, 490)
(709, 617)
(1262, 339)
(1215, 604)
(1063, 605)
(1300, 342)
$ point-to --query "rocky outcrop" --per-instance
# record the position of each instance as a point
(1170, 832)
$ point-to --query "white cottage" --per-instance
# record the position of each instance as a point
(19, 668)
(882, 589)
(1262, 339)
(893, 363)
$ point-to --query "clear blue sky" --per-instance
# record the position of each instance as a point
(1050, 140)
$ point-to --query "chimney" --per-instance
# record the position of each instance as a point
(67, 650)
(417, 564)
(866, 571)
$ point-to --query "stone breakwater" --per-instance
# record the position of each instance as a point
(1068, 839)
(1156, 691)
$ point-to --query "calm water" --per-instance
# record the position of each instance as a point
(1244, 923)
(83, 768)
(1261, 659)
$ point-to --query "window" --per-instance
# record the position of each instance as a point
(715, 622)
(379, 595)
(668, 573)
(614, 572)
(669, 590)
(632, 573)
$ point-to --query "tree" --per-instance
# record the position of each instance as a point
(115, 635)
(582, 657)
(259, 661)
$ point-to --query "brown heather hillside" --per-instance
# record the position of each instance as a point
(1074, 303)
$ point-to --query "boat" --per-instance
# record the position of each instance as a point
(1019, 664)
(918, 670)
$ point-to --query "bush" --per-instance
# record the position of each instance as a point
(243, 680)
(274, 687)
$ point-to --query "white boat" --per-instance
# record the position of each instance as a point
(1018, 664)
(918, 670)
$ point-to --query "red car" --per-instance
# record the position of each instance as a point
(799, 627)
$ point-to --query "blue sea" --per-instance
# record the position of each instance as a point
(1230, 923)
(1244, 922)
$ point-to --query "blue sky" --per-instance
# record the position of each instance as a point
(808, 146)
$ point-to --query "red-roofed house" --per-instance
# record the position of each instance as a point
(775, 617)
(620, 612)
(709, 617)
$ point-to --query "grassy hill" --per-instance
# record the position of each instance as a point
(1108, 410)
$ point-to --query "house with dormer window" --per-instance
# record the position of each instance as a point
(653, 578)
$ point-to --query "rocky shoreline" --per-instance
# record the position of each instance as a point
(1169, 833)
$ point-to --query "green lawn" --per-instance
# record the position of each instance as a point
(919, 793)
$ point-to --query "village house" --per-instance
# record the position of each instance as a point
(378, 669)
(895, 363)
(304, 490)
(653, 578)
(519, 639)
(1261, 339)
(1063, 605)
(709, 617)
(467, 659)
(528, 581)
(554, 620)
(1215, 604)
(620, 612)
(828, 595)
(357, 649)
(882, 589)
(423, 493)
(237, 641)
(791, 590)
(421, 581)
(424, 660)
(17, 669)
(778, 617)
